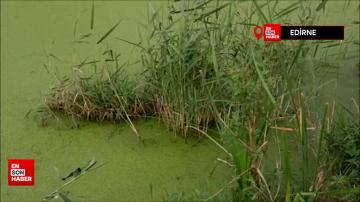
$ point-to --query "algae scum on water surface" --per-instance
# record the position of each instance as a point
(217, 114)
(153, 171)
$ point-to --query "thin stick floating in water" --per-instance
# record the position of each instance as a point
(86, 170)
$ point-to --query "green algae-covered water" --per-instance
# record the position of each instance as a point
(132, 172)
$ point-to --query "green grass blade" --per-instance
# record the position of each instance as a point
(202, 5)
(64, 197)
(322, 131)
(259, 10)
(321, 5)
(75, 29)
(286, 11)
(132, 43)
(213, 50)
(92, 15)
(272, 99)
(287, 171)
(297, 54)
(108, 33)
(211, 12)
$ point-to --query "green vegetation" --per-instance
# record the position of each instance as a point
(342, 154)
(204, 70)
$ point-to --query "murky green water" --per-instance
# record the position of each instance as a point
(165, 163)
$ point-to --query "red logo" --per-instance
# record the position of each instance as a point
(272, 32)
(21, 172)
(258, 32)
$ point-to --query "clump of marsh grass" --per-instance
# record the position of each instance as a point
(342, 154)
(203, 63)
(105, 95)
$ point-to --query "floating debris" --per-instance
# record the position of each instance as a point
(74, 175)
